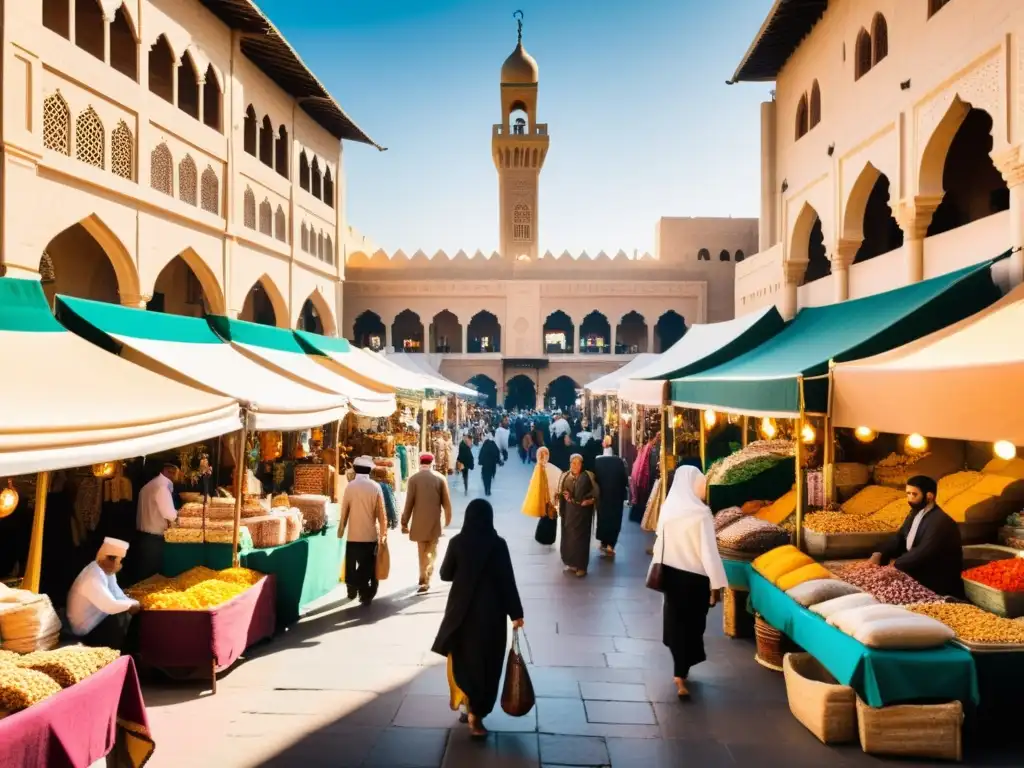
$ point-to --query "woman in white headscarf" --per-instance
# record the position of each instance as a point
(691, 569)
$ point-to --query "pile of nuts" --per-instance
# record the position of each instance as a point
(67, 666)
(844, 522)
(21, 688)
(974, 625)
(751, 534)
(727, 517)
(885, 583)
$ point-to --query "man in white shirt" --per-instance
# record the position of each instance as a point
(364, 521)
(155, 512)
(560, 427)
(501, 437)
(98, 612)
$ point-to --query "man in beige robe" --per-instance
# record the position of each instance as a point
(426, 498)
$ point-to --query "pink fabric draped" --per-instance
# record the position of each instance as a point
(641, 475)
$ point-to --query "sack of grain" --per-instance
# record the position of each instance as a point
(266, 531)
(293, 522)
(30, 624)
(313, 509)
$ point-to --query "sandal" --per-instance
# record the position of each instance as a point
(477, 732)
(681, 690)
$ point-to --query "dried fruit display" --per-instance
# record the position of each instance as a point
(886, 583)
(70, 665)
(871, 499)
(1004, 575)
(972, 624)
(21, 688)
(844, 522)
(195, 590)
(951, 485)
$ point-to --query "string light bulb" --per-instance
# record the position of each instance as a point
(808, 435)
(106, 469)
(8, 499)
(864, 434)
(916, 443)
(768, 430)
(1004, 449)
(710, 418)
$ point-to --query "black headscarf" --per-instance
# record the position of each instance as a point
(479, 522)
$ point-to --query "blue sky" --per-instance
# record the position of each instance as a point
(642, 124)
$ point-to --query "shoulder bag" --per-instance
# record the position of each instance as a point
(654, 573)
(517, 696)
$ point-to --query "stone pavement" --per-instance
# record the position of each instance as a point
(351, 686)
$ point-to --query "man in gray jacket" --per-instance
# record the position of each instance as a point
(426, 498)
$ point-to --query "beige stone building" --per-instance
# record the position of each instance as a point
(175, 154)
(892, 149)
(521, 320)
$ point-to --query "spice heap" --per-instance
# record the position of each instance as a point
(195, 590)
(759, 455)
(844, 522)
(885, 583)
(972, 624)
(1004, 575)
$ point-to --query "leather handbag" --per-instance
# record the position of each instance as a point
(517, 696)
(547, 530)
(383, 564)
(654, 573)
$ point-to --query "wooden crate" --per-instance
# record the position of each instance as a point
(912, 730)
(823, 706)
(737, 621)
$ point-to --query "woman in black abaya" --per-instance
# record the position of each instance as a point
(474, 631)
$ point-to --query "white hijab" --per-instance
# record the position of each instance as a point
(685, 497)
(689, 544)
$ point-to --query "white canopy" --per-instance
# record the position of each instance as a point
(609, 383)
(963, 382)
(186, 349)
(415, 362)
(67, 403)
(368, 366)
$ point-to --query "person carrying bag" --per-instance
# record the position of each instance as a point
(517, 696)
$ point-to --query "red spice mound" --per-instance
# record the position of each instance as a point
(1004, 575)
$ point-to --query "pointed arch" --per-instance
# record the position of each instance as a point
(249, 209)
(856, 203)
(933, 159)
(57, 123)
(323, 311)
(879, 38)
(161, 169)
(122, 151)
(212, 100)
(188, 180)
(802, 117)
(329, 250)
(281, 152)
(800, 237)
(161, 68)
(120, 259)
(328, 187)
(863, 55)
(90, 138)
(188, 85)
(280, 225)
(303, 171)
(210, 193)
(207, 278)
(249, 131)
(815, 105)
(315, 186)
(267, 142)
(124, 44)
(266, 218)
(275, 297)
(305, 238)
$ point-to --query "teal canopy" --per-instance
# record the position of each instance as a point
(767, 379)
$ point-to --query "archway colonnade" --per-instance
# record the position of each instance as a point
(88, 260)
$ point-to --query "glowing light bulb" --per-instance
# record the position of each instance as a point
(106, 469)
(768, 428)
(8, 499)
(916, 443)
(807, 434)
(710, 418)
(864, 434)
(1005, 450)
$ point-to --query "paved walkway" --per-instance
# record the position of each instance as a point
(352, 686)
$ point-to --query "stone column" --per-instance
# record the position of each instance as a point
(843, 253)
(136, 300)
(792, 274)
(613, 335)
(1011, 165)
(465, 338)
(650, 337)
(914, 215)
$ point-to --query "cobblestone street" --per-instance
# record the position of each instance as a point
(350, 686)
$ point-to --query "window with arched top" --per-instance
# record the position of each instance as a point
(161, 169)
(267, 142)
(802, 117)
(210, 192)
(740, 256)
(57, 124)
(188, 86)
(522, 223)
(304, 238)
(703, 255)
(124, 48)
(161, 68)
(249, 131)
(328, 187)
(934, 6)
(315, 182)
(90, 138)
(280, 225)
(815, 105)
(880, 39)
(320, 245)
(122, 151)
(329, 250)
(249, 209)
(724, 255)
(56, 18)
(862, 56)
(211, 100)
(303, 171)
(187, 180)
(266, 218)
(90, 27)
(281, 152)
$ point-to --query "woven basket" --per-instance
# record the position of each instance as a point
(824, 707)
(736, 619)
(770, 652)
(912, 730)
(312, 478)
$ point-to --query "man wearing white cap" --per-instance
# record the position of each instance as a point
(363, 514)
(98, 611)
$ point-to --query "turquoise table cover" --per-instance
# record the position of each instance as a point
(880, 677)
(737, 572)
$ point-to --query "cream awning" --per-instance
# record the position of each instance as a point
(370, 369)
(186, 349)
(415, 363)
(963, 382)
(67, 403)
(609, 383)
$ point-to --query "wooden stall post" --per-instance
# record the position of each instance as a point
(240, 478)
(672, 428)
(337, 460)
(703, 442)
(618, 422)
(34, 560)
(799, 457)
(664, 454)
(829, 457)
(746, 431)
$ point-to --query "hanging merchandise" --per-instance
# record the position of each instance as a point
(271, 446)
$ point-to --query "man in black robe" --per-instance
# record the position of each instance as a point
(927, 546)
(612, 480)
(489, 459)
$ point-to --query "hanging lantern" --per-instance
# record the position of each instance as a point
(768, 429)
(106, 469)
(8, 499)
(808, 435)
(1005, 450)
(915, 443)
(710, 418)
(864, 434)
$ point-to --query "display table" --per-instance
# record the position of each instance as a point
(737, 572)
(102, 715)
(880, 677)
(306, 569)
(211, 639)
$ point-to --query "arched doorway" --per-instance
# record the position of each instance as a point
(407, 332)
(74, 264)
(818, 263)
(369, 331)
(178, 291)
(670, 328)
(559, 333)
(973, 187)
(881, 231)
(484, 333)
(595, 334)
(446, 333)
(631, 334)
(561, 393)
(309, 318)
(487, 387)
(258, 306)
(520, 393)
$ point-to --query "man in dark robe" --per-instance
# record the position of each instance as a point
(489, 459)
(610, 473)
(578, 494)
(927, 547)
(465, 461)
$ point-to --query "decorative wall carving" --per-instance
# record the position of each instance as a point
(979, 87)
(460, 289)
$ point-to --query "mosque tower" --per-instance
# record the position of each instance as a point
(519, 145)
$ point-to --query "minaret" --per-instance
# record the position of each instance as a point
(519, 145)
